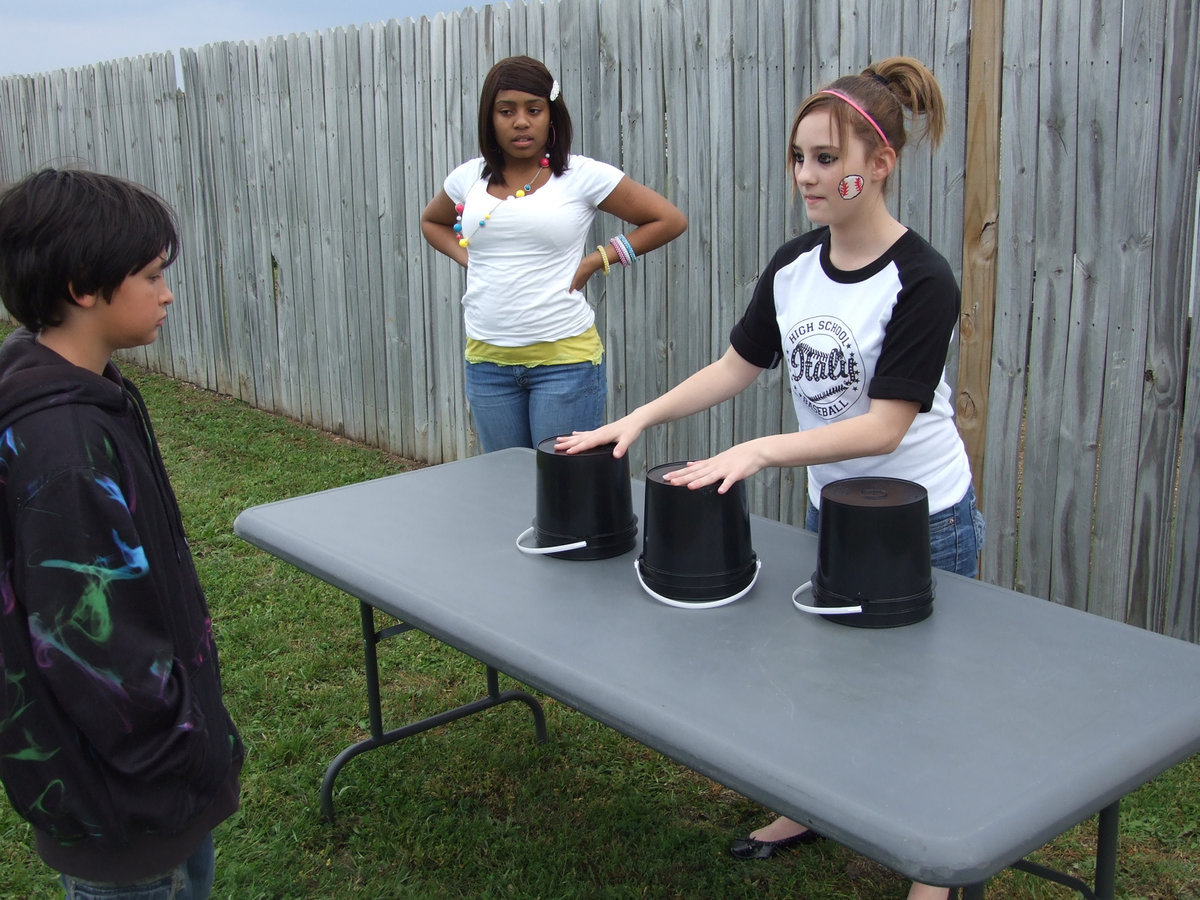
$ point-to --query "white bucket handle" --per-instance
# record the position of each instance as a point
(541, 551)
(708, 604)
(821, 610)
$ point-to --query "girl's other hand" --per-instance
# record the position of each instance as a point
(735, 464)
(588, 266)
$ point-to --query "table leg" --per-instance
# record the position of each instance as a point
(380, 738)
(1106, 851)
(1106, 860)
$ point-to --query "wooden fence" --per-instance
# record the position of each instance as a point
(299, 166)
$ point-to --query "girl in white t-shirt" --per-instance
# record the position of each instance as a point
(517, 218)
(862, 311)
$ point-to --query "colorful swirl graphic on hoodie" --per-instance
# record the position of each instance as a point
(90, 616)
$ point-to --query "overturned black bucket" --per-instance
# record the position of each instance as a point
(873, 563)
(584, 505)
(696, 550)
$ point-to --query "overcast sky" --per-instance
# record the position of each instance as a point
(42, 35)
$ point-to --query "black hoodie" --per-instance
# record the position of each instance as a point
(114, 740)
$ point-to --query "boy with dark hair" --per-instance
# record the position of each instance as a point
(114, 740)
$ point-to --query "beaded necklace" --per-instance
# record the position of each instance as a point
(464, 240)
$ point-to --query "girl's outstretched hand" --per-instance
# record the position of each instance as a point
(738, 462)
(621, 432)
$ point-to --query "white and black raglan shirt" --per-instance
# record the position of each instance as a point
(882, 332)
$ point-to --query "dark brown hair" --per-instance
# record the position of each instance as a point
(529, 75)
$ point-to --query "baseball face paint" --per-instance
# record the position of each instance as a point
(851, 186)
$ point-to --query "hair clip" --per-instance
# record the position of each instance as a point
(553, 90)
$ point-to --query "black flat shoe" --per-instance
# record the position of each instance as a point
(752, 848)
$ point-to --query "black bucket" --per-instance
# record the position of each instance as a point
(584, 504)
(696, 549)
(873, 564)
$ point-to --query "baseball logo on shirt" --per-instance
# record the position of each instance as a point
(851, 186)
(825, 365)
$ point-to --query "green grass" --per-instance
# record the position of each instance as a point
(476, 809)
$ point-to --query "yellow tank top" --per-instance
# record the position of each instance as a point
(585, 347)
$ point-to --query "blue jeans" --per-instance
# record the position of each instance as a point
(192, 879)
(518, 406)
(955, 535)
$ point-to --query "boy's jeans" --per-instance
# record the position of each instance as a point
(192, 879)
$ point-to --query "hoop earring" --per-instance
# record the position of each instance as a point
(553, 135)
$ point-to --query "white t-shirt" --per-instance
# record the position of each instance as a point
(522, 261)
(881, 331)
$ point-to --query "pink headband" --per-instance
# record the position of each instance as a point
(861, 112)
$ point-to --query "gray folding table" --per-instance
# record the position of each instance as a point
(946, 750)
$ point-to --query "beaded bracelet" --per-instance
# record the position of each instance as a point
(628, 248)
(620, 248)
(604, 259)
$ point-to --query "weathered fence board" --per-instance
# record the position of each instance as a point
(299, 165)
(1168, 508)
(1135, 176)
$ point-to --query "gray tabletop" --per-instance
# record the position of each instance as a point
(945, 750)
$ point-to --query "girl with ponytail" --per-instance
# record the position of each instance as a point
(861, 310)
